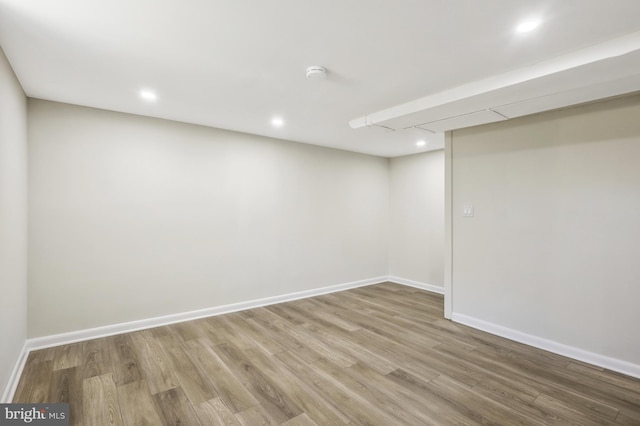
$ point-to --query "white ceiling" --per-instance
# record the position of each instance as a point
(234, 64)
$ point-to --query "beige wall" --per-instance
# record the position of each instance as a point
(134, 217)
(416, 237)
(553, 248)
(13, 220)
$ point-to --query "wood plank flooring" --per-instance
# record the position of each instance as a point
(376, 355)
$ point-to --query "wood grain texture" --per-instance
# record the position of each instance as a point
(215, 412)
(137, 405)
(67, 356)
(302, 420)
(256, 416)
(100, 401)
(230, 388)
(66, 386)
(376, 355)
(35, 382)
(124, 361)
(175, 409)
(96, 358)
(191, 377)
(274, 400)
(153, 362)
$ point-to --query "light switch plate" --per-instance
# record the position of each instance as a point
(467, 210)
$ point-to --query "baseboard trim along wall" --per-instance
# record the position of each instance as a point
(613, 364)
(417, 284)
(14, 378)
(127, 327)
(603, 361)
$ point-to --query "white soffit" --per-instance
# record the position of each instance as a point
(433, 139)
(606, 69)
(462, 121)
(570, 97)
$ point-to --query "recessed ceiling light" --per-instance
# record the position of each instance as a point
(277, 122)
(421, 143)
(526, 26)
(148, 95)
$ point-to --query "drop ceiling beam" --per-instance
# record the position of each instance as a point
(599, 71)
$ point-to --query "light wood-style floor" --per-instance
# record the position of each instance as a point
(377, 355)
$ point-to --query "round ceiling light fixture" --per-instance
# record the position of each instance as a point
(316, 72)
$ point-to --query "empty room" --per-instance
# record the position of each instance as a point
(319, 213)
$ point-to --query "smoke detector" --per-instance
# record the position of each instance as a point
(316, 72)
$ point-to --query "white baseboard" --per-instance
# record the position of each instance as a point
(613, 364)
(602, 361)
(417, 284)
(127, 327)
(14, 378)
